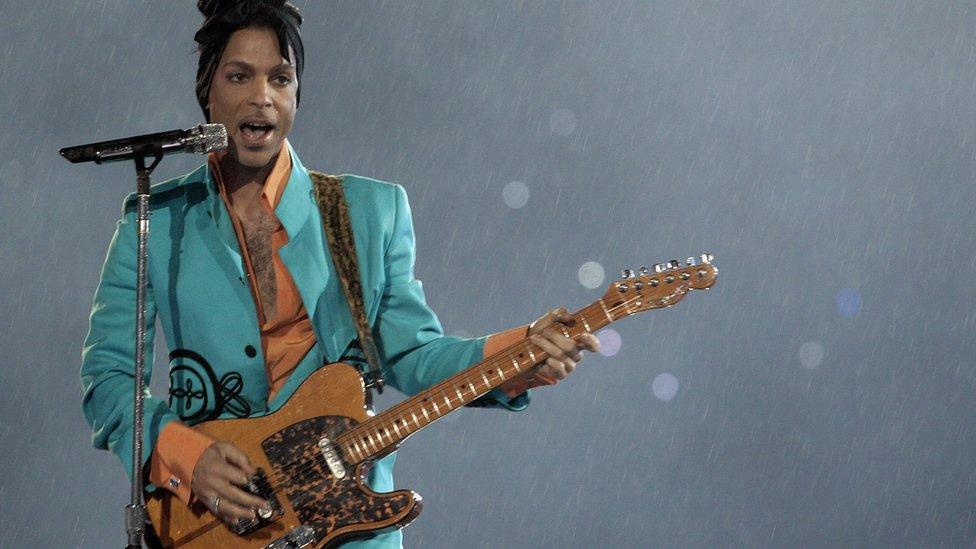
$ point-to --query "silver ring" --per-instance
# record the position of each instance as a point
(215, 503)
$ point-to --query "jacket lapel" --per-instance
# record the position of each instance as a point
(306, 256)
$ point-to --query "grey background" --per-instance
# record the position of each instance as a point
(823, 151)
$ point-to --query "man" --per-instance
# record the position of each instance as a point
(245, 292)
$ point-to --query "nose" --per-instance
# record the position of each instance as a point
(260, 93)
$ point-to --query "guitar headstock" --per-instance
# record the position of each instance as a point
(661, 286)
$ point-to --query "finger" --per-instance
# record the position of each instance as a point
(554, 368)
(230, 512)
(557, 336)
(549, 347)
(560, 314)
(240, 459)
(226, 471)
(589, 342)
(239, 497)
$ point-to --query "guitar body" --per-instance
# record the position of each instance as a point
(312, 507)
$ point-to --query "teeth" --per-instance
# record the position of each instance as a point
(252, 131)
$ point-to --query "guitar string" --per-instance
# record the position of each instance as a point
(467, 379)
(307, 465)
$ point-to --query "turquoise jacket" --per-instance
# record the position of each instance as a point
(199, 291)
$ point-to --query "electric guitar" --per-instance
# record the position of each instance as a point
(313, 454)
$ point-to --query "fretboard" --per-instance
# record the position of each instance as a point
(384, 431)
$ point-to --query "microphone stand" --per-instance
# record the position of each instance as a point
(135, 511)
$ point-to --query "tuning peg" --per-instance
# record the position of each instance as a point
(658, 267)
(643, 270)
(706, 258)
(627, 273)
(690, 261)
(674, 264)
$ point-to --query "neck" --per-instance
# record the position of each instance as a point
(235, 176)
(384, 432)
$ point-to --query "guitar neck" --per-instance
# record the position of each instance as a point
(662, 288)
(386, 430)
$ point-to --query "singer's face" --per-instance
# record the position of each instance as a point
(253, 94)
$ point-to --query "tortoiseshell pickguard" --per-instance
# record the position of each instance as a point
(322, 501)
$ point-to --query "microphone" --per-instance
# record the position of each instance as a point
(199, 139)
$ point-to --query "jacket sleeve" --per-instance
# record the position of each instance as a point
(415, 352)
(108, 356)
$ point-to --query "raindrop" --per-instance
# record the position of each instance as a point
(848, 302)
(811, 354)
(591, 274)
(515, 194)
(665, 386)
(609, 342)
(562, 122)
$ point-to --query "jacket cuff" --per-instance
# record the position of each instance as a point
(502, 340)
(178, 448)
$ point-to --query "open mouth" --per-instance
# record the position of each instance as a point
(256, 133)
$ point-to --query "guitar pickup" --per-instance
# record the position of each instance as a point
(260, 487)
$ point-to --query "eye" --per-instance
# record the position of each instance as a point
(282, 79)
(236, 76)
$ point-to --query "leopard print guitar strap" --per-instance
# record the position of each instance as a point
(338, 230)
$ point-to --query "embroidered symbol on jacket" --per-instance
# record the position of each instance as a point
(196, 393)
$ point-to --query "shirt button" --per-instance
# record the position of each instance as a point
(250, 351)
(174, 482)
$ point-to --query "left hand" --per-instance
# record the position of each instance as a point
(564, 353)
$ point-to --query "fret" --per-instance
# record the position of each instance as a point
(415, 422)
(532, 356)
(487, 384)
(427, 417)
(447, 402)
(436, 409)
(515, 362)
(369, 437)
(501, 374)
(397, 428)
(586, 324)
(605, 311)
(565, 333)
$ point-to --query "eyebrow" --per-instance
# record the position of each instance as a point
(248, 66)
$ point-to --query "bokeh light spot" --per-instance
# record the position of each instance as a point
(591, 274)
(665, 386)
(609, 342)
(848, 302)
(811, 354)
(562, 122)
(515, 194)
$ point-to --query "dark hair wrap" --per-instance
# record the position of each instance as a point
(224, 17)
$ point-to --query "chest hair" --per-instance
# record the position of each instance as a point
(257, 238)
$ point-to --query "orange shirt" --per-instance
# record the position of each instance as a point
(285, 339)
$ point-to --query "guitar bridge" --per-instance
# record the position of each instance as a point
(260, 487)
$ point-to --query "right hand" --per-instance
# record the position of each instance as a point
(219, 473)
